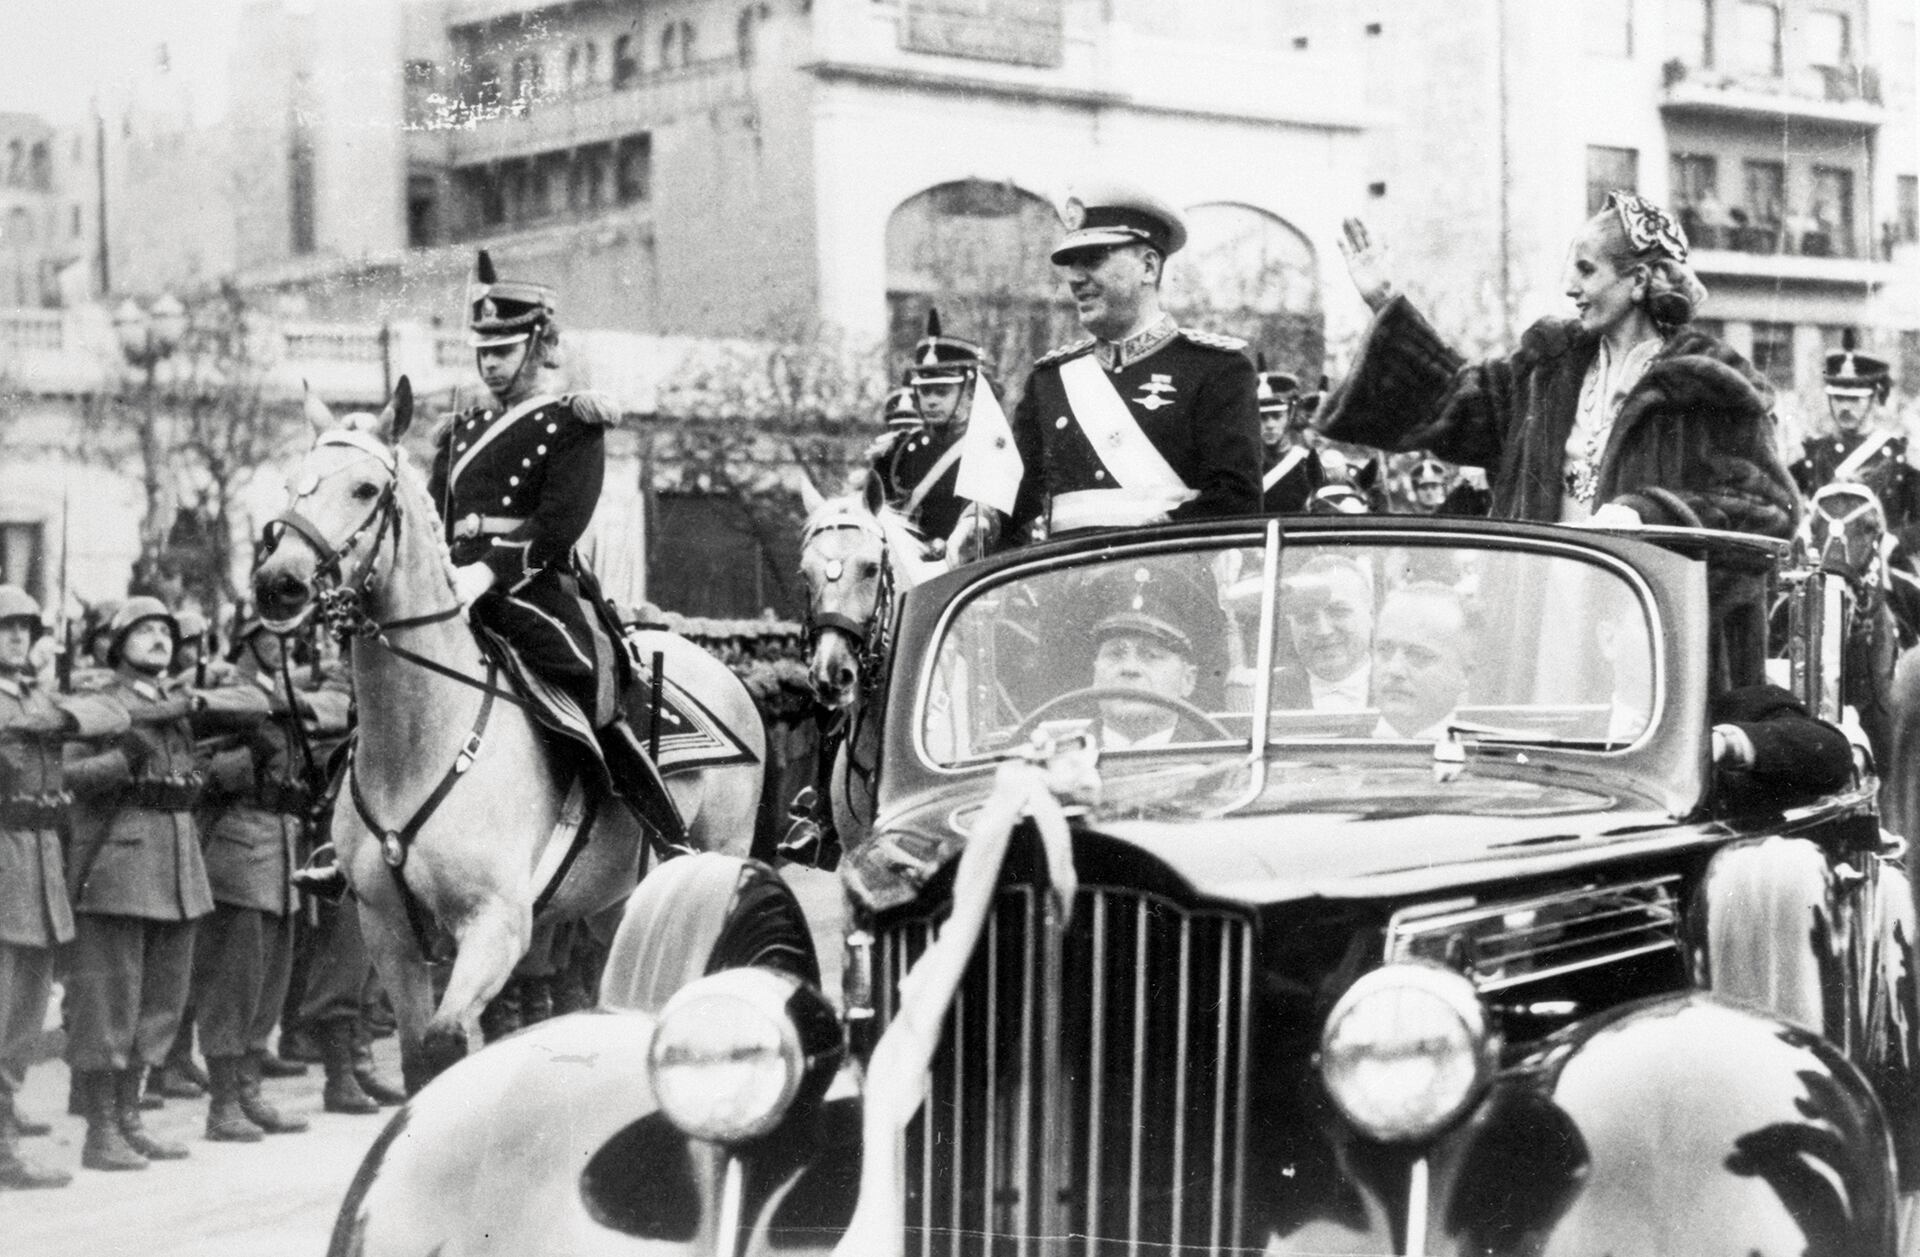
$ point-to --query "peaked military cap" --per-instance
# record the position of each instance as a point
(1103, 215)
(942, 359)
(899, 410)
(1849, 371)
(1148, 600)
(504, 311)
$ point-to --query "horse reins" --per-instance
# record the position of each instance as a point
(870, 635)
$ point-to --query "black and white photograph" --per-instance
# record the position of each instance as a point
(959, 628)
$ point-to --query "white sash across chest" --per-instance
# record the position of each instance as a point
(494, 429)
(1288, 461)
(1146, 486)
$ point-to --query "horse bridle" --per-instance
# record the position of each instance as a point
(869, 637)
(342, 598)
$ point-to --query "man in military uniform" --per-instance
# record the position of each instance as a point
(244, 954)
(1858, 451)
(921, 470)
(1290, 468)
(517, 481)
(1144, 420)
(138, 882)
(35, 917)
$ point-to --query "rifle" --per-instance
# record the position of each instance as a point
(63, 662)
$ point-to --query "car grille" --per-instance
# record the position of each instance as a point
(1506, 945)
(1088, 1095)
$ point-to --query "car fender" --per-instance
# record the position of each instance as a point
(1682, 1124)
(495, 1155)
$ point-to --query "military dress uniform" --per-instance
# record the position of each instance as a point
(1289, 475)
(1189, 393)
(1872, 457)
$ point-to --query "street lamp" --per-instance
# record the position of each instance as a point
(149, 336)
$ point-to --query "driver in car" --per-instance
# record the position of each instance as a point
(1142, 647)
(1423, 652)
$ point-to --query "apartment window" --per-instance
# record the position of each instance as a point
(1695, 179)
(1756, 33)
(41, 163)
(633, 169)
(300, 189)
(417, 79)
(1609, 28)
(676, 46)
(1690, 32)
(625, 68)
(1829, 39)
(1832, 211)
(590, 63)
(1608, 169)
(22, 557)
(747, 30)
(1906, 193)
(422, 211)
(1910, 355)
(73, 221)
(1765, 191)
(1773, 353)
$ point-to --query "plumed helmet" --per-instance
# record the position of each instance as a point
(1276, 391)
(1849, 371)
(132, 612)
(942, 359)
(504, 311)
(899, 410)
(17, 604)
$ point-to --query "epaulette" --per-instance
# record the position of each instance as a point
(1065, 352)
(592, 408)
(1214, 340)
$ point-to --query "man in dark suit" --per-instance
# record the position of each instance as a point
(1328, 605)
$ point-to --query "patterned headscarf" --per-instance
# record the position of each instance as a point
(1647, 226)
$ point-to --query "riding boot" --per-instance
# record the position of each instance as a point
(227, 1122)
(378, 1089)
(255, 1105)
(106, 1147)
(126, 1103)
(501, 1017)
(271, 1066)
(811, 839)
(17, 1172)
(342, 1093)
(637, 781)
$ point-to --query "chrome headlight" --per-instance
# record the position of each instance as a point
(733, 1050)
(1404, 1052)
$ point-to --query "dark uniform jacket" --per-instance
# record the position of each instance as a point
(1288, 494)
(1191, 393)
(262, 788)
(1796, 757)
(136, 851)
(1698, 424)
(907, 461)
(1893, 480)
(517, 488)
(33, 885)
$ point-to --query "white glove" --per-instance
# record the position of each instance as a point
(1615, 515)
(470, 581)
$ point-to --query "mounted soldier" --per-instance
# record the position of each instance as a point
(1291, 470)
(517, 480)
(920, 472)
(1859, 452)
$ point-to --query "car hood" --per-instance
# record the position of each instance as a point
(1328, 829)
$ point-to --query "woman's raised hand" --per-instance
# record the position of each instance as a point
(1366, 263)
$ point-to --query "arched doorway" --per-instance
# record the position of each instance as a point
(978, 251)
(1248, 273)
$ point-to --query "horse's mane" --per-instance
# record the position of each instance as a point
(410, 491)
(905, 544)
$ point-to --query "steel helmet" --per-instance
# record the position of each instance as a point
(17, 604)
(132, 612)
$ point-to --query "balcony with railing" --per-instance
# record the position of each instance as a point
(1846, 96)
(467, 129)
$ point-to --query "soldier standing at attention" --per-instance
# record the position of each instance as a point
(1144, 421)
(35, 917)
(243, 959)
(138, 882)
(1858, 451)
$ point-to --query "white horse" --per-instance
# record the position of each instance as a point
(455, 816)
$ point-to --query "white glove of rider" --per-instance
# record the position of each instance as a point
(1615, 515)
(470, 581)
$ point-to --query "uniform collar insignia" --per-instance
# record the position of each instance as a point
(1115, 355)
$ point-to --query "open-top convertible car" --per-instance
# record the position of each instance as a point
(1310, 886)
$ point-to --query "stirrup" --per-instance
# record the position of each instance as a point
(322, 876)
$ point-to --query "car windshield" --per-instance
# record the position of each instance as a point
(1373, 638)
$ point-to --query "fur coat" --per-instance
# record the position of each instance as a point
(1696, 430)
